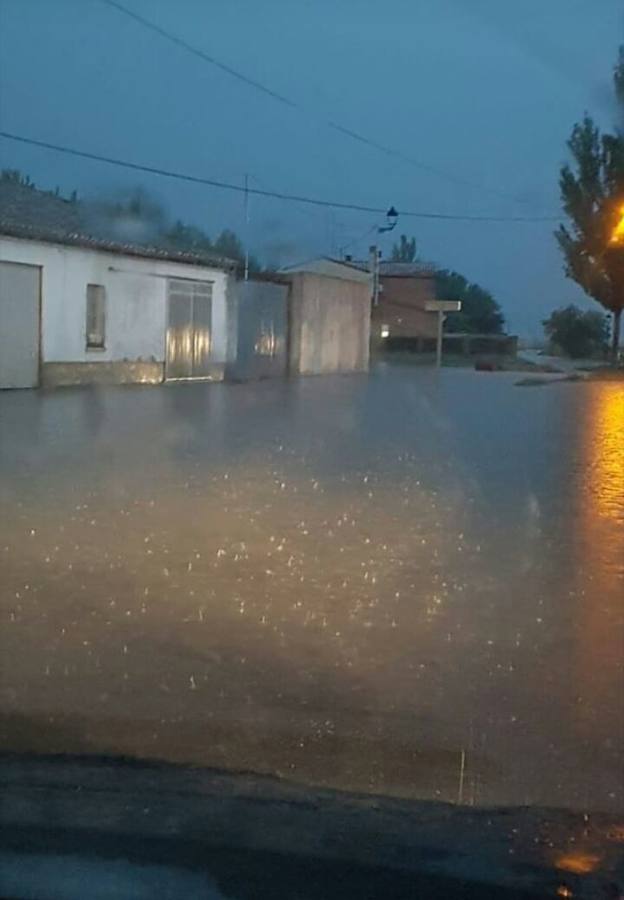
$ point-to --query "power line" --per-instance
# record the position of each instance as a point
(356, 240)
(147, 23)
(278, 195)
(312, 215)
(335, 126)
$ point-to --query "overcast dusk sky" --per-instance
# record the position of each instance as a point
(485, 91)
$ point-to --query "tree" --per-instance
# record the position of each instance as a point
(577, 333)
(405, 250)
(187, 237)
(592, 195)
(480, 313)
(228, 244)
(618, 83)
(132, 216)
(138, 210)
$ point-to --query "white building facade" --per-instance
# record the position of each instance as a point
(95, 312)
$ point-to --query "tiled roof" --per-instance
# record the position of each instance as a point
(331, 268)
(38, 216)
(406, 269)
(92, 243)
(24, 205)
(391, 269)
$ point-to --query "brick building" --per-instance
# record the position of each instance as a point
(405, 288)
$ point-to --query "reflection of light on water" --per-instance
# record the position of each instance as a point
(616, 834)
(605, 451)
(578, 863)
(598, 578)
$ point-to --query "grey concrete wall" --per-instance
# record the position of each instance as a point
(231, 304)
(330, 325)
(295, 317)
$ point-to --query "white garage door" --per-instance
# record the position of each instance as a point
(19, 325)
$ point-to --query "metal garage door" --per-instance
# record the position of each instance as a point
(189, 327)
(19, 325)
(262, 330)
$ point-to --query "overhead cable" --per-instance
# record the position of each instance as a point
(278, 195)
(287, 101)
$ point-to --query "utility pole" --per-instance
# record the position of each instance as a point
(374, 255)
(246, 227)
(331, 231)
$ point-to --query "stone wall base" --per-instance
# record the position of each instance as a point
(57, 374)
(214, 372)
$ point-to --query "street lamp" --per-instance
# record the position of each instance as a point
(617, 235)
(392, 217)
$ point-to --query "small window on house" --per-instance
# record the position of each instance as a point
(96, 316)
(385, 331)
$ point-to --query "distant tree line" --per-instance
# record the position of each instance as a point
(480, 312)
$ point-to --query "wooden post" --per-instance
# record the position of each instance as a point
(441, 307)
(439, 338)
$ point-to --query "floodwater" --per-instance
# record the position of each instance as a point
(407, 583)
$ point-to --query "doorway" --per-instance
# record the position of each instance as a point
(189, 329)
(20, 291)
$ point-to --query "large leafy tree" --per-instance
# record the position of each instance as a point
(480, 313)
(230, 245)
(592, 195)
(190, 237)
(187, 237)
(577, 332)
(132, 215)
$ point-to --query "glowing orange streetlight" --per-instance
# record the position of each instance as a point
(617, 235)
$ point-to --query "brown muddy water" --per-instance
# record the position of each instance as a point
(405, 583)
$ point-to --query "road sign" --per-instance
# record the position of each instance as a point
(443, 306)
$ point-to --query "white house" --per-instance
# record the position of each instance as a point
(77, 310)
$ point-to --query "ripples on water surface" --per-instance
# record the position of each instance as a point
(350, 581)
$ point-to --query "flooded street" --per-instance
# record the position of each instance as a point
(406, 583)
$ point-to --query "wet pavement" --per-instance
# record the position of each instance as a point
(406, 583)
